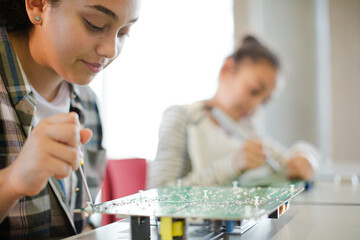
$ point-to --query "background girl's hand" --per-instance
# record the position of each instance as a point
(251, 155)
(52, 149)
(299, 168)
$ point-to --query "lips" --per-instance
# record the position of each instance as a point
(93, 66)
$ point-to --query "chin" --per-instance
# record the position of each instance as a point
(82, 79)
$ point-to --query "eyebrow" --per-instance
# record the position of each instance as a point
(109, 12)
(105, 10)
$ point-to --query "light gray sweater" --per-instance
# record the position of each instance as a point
(185, 138)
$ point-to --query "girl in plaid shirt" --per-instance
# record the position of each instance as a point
(49, 50)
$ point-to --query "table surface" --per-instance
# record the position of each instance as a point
(330, 193)
(309, 222)
(329, 210)
(299, 222)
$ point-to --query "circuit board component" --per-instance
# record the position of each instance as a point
(175, 208)
(225, 203)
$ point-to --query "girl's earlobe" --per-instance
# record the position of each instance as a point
(34, 9)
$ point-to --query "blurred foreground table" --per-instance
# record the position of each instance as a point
(329, 210)
(299, 222)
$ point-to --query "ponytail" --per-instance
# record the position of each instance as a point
(253, 49)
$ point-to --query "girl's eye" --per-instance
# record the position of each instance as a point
(120, 34)
(92, 27)
(124, 32)
(254, 92)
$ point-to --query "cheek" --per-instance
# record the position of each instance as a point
(239, 94)
(242, 99)
(69, 41)
(119, 46)
(66, 50)
(74, 45)
(236, 98)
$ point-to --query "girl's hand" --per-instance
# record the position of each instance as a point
(253, 154)
(299, 168)
(52, 149)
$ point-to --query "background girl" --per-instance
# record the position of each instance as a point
(214, 141)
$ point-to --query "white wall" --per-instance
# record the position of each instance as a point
(172, 56)
(287, 28)
(345, 71)
(319, 46)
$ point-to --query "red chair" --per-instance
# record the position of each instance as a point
(123, 177)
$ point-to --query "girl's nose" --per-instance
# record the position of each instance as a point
(108, 47)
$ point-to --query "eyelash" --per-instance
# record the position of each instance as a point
(123, 34)
(92, 27)
(254, 92)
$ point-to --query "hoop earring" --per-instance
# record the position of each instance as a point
(37, 18)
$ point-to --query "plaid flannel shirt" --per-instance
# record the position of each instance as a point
(48, 214)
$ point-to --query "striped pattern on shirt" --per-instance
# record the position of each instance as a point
(181, 144)
(173, 159)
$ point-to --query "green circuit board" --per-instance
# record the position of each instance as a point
(220, 203)
(272, 180)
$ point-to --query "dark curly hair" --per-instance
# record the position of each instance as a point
(253, 49)
(13, 15)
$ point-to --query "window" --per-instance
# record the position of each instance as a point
(173, 56)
